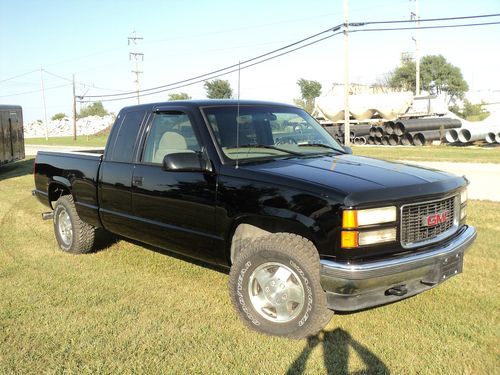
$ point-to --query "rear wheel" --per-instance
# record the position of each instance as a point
(72, 234)
(275, 287)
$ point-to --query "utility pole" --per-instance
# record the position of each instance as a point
(136, 57)
(347, 127)
(44, 106)
(416, 16)
(74, 109)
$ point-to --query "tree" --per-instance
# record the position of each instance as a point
(94, 109)
(218, 89)
(178, 96)
(436, 76)
(471, 112)
(58, 116)
(309, 91)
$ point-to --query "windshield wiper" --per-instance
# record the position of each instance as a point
(256, 145)
(319, 145)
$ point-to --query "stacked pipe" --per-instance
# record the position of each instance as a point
(358, 133)
(488, 132)
(407, 132)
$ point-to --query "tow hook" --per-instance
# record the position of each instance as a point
(47, 215)
(399, 291)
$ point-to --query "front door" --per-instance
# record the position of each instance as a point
(174, 210)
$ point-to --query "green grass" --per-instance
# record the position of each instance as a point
(128, 309)
(432, 153)
(82, 140)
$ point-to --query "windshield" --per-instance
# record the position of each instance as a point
(268, 132)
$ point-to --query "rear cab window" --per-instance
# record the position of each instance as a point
(123, 136)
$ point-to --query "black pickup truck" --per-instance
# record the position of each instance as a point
(305, 227)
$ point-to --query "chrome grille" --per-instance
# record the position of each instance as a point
(414, 232)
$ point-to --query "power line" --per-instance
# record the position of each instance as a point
(210, 75)
(18, 76)
(425, 19)
(428, 27)
(221, 74)
(225, 68)
(34, 91)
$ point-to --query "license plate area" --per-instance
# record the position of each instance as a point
(446, 268)
(451, 266)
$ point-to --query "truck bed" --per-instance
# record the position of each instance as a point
(76, 171)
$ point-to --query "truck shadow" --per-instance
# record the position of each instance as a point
(17, 169)
(336, 346)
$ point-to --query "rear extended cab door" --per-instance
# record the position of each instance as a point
(116, 171)
(172, 209)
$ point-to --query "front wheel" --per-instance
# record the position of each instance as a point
(275, 287)
(72, 234)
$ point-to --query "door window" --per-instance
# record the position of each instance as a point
(170, 132)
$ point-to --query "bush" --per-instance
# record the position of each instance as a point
(58, 116)
(94, 109)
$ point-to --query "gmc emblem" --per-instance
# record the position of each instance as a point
(435, 219)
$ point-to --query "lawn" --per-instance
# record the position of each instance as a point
(81, 141)
(128, 309)
(432, 153)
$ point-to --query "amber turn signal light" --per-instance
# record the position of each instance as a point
(349, 239)
(350, 219)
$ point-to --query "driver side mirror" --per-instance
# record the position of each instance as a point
(347, 149)
(185, 162)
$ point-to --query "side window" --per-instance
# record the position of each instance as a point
(170, 132)
(126, 135)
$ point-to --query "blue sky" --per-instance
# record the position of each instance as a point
(187, 38)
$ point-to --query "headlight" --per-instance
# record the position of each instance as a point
(463, 196)
(377, 236)
(359, 218)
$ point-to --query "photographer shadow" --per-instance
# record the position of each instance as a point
(336, 345)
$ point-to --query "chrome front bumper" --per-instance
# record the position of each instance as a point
(351, 287)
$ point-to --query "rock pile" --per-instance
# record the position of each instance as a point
(61, 128)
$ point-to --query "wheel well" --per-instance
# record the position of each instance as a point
(245, 232)
(56, 191)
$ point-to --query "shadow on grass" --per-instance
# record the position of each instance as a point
(17, 169)
(336, 345)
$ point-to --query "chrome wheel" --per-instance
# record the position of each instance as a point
(65, 227)
(276, 292)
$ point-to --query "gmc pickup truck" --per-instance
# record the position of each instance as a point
(304, 227)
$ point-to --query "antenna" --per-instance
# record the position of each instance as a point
(238, 118)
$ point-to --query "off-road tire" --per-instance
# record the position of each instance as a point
(295, 253)
(83, 235)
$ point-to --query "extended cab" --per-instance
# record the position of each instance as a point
(305, 227)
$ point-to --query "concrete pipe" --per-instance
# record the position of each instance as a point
(452, 135)
(389, 127)
(378, 141)
(497, 137)
(419, 125)
(385, 140)
(379, 132)
(370, 140)
(407, 139)
(361, 129)
(471, 135)
(398, 128)
(490, 137)
(422, 138)
(393, 140)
